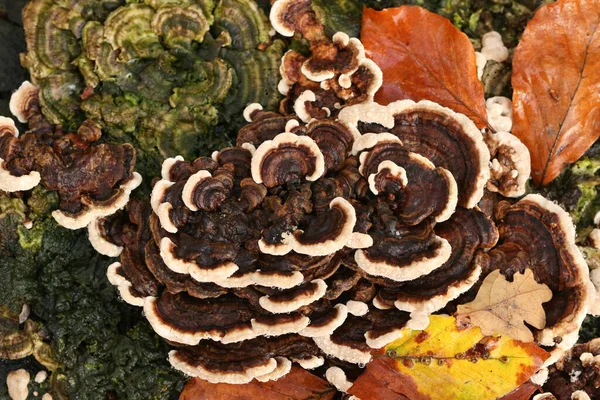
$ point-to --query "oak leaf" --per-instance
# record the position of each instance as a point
(501, 307)
(556, 81)
(423, 56)
(299, 384)
(444, 362)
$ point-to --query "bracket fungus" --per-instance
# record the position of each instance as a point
(334, 224)
(577, 374)
(535, 233)
(167, 77)
(93, 179)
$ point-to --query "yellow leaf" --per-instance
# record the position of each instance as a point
(444, 362)
(501, 306)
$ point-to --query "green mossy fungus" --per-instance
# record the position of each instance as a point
(97, 346)
(168, 76)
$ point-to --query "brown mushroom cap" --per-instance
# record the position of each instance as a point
(468, 231)
(103, 239)
(334, 139)
(92, 179)
(448, 139)
(263, 126)
(578, 371)
(511, 164)
(187, 320)
(404, 253)
(10, 182)
(387, 326)
(287, 158)
(336, 72)
(348, 342)
(22, 101)
(129, 294)
(428, 192)
(239, 363)
(322, 233)
(537, 234)
(175, 282)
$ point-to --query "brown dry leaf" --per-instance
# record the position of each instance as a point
(423, 56)
(501, 307)
(299, 384)
(556, 81)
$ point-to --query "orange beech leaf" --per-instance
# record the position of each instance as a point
(446, 362)
(556, 81)
(299, 384)
(423, 56)
(523, 392)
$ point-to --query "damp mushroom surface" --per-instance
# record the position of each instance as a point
(333, 224)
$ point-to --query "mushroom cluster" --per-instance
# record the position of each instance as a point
(155, 74)
(333, 225)
(92, 179)
(576, 375)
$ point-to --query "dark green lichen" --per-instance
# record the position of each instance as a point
(477, 17)
(98, 346)
(577, 189)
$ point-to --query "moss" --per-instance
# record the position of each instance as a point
(577, 190)
(97, 346)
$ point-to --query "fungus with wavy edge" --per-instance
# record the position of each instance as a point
(202, 273)
(288, 157)
(94, 209)
(180, 26)
(335, 140)
(404, 254)
(348, 342)
(92, 179)
(510, 164)
(184, 319)
(327, 323)
(577, 374)
(469, 232)
(175, 282)
(21, 100)
(100, 240)
(429, 191)
(175, 69)
(336, 71)
(537, 234)
(10, 182)
(387, 326)
(262, 126)
(204, 192)
(292, 299)
(241, 362)
(322, 233)
(448, 139)
(289, 16)
(117, 279)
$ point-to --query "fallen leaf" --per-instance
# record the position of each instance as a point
(501, 307)
(446, 363)
(523, 392)
(299, 384)
(556, 81)
(423, 56)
